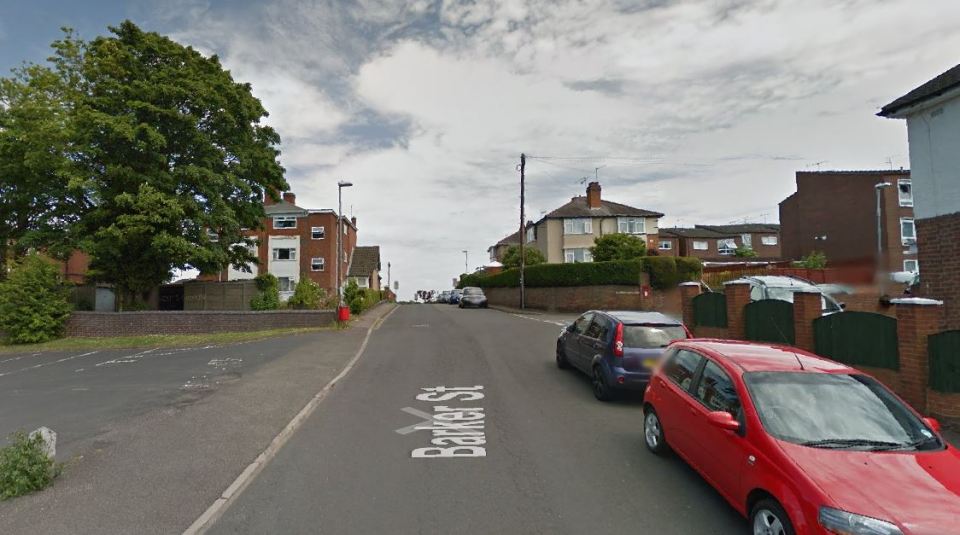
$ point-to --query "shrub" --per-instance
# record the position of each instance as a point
(744, 251)
(470, 279)
(662, 270)
(24, 466)
(531, 257)
(269, 296)
(34, 302)
(307, 295)
(814, 260)
(360, 299)
(617, 247)
(689, 268)
(665, 272)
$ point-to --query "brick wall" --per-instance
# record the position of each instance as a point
(87, 324)
(583, 298)
(938, 241)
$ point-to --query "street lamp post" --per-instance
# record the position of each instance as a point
(879, 187)
(340, 185)
(466, 262)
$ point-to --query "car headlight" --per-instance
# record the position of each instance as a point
(844, 523)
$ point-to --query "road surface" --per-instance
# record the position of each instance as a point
(556, 460)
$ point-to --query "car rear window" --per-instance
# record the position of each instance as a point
(651, 336)
(472, 291)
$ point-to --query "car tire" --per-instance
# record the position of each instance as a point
(562, 361)
(601, 390)
(768, 516)
(653, 435)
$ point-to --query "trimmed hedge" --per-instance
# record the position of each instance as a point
(665, 272)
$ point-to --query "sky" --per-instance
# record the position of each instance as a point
(700, 109)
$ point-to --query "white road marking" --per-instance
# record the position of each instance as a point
(127, 359)
(220, 505)
(560, 323)
(45, 364)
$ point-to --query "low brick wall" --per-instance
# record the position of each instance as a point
(87, 324)
(583, 298)
(944, 406)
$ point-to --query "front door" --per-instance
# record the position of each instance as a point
(679, 372)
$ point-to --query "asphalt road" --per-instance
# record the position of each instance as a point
(556, 460)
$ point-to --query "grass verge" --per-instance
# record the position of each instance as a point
(154, 340)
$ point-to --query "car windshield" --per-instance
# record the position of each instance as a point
(651, 336)
(835, 411)
(785, 293)
(472, 291)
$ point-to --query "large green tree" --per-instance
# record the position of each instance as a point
(167, 158)
(617, 247)
(531, 257)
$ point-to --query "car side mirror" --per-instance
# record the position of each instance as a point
(843, 306)
(723, 420)
(571, 328)
(932, 423)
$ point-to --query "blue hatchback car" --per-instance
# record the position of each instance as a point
(617, 350)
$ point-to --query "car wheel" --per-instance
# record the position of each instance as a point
(562, 361)
(769, 518)
(601, 390)
(653, 432)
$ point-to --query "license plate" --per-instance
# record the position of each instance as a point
(650, 363)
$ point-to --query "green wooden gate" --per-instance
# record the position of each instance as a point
(769, 320)
(944, 351)
(710, 310)
(861, 338)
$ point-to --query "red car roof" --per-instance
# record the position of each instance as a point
(754, 356)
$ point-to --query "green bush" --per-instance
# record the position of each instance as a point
(689, 268)
(617, 247)
(814, 260)
(531, 257)
(307, 295)
(744, 251)
(665, 272)
(269, 296)
(24, 466)
(662, 270)
(34, 301)
(360, 299)
(470, 279)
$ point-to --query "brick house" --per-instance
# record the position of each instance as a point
(499, 249)
(297, 242)
(566, 234)
(719, 243)
(365, 267)
(836, 212)
(932, 112)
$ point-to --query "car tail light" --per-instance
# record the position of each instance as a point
(618, 341)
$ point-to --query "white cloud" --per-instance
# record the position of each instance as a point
(711, 105)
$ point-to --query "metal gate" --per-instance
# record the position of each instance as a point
(861, 338)
(944, 351)
(710, 310)
(769, 320)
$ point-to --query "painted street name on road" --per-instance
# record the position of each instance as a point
(456, 431)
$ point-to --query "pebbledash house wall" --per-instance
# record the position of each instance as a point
(92, 324)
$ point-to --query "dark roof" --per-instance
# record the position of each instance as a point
(513, 239)
(283, 207)
(934, 88)
(365, 261)
(745, 228)
(697, 232)
(577, 207)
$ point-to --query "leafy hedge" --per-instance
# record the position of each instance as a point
(361, 299)
(665, 272)
(34, 301)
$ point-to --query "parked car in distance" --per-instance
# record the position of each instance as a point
(783, 288)
(801, 444)
(473, 297)
(455, 296)
(444, 297)
(617, 350)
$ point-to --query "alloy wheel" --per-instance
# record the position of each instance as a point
(651, 430)
(766, 522)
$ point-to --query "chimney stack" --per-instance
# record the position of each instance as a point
(290, 197)
(354, 221)
(267, 198)
(593, 195)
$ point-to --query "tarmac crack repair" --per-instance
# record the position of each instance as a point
(456, 431)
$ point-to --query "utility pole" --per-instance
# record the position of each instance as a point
(523, 234)
(466, 262)
(388, 275)
(880, 186)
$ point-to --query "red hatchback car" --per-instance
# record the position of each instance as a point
(801, 444)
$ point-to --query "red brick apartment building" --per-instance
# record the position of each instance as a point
(835, 212)
(719, 243)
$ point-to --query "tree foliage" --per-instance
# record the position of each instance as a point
(308, 295)
(153, 157)
(34, 302)
(814, 260)
(617, 247)
(745, 251)
(269, 296)
(531, 257)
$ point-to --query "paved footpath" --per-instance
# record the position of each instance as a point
(555, 459)
(152, 438)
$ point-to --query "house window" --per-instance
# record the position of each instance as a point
(531, 234)
(286, 284)
(285, 254)
(905, 187)
(344, 229)
(316, 264)
(908, 233)
(747, 240)
(578, 226)
(911, 265)
(727, 246)
(362, 282)
(666, 245)
(285, 221)
(768, 240)
(700, 245)
(631, 225)
(581, 254)
(318, 233)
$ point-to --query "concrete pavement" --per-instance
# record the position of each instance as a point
(556, 460)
